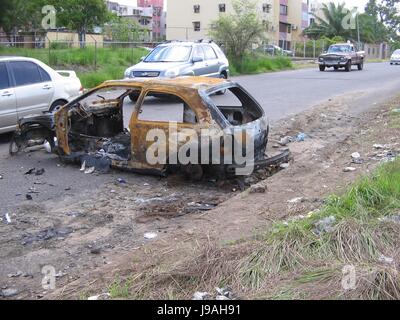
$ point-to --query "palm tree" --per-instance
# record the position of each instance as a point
(330, 24)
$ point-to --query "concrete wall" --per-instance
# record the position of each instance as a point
(73, 38)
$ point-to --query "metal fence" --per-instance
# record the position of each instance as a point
(93, 53)
(311, 49)
(88, 54)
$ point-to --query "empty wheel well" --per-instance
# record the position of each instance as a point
(57, 103)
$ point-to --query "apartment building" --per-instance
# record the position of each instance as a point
(158, 11)
(284, 20)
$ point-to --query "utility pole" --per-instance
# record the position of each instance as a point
(358, 32)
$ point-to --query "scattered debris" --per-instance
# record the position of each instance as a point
(258, 189)
(37, 172)
(7, 293)
(201, 296)
(47, 234)
(300, 137)
(225, 294)
(7, 218)
(355, 155)
(296, 200)
(384, 259)
(150, 235)
(90, 170)
(394, 219)
(1, 177)
(75, 214)
(103, 296)
(83, 166)
(285, 141)
(349, 169)
(379, 146)
(121, 180)
(284, 165)
(325, 225)
(396, 110)
(96, 250)
(199, 206)
(29, 197)
(15, 275)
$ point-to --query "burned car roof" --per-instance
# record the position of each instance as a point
(195, 83)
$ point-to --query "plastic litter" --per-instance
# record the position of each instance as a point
(150, 235)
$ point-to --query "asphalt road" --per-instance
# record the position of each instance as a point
(280, 94)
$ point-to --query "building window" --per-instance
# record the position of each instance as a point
(283, 10)
(196, 26)
(285, 27)
(222, 7)
(266, 8)
(312, 21)
(196, 8)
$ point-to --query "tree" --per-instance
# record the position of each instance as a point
(81, 16)
(124, 29)
(20, 15)
(239, 29)
(330, 24)
(386, 13)
(333, 22)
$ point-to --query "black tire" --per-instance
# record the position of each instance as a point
(321, 68)
(348, 66)
(134, 97)
(57, 105)
(360, 66)
(222, 76)
(336, 67)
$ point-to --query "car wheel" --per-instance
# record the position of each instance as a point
(222, 76)
(336, 67)
(134, 96)
(57, 105)
(321, 68)
(391, 63)
(348, 66)
(360, 66)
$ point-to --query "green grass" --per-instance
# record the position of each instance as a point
(92, 66)
(254, 64)
(359, 237)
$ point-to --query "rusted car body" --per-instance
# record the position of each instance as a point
(91, 128)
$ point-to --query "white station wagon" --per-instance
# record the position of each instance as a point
(28, 86)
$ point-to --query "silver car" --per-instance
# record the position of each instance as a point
(395, 58)
(175, 59)
(28, 86)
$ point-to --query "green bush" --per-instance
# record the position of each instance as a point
(252, 64)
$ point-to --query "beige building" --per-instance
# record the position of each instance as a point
(191, 19)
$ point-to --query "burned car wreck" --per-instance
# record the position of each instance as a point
(193, 124)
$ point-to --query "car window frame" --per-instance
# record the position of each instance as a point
(205, 55)
(200, 48)
(145, 92)
(27, 84)
(45, 72)
(10, 82)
